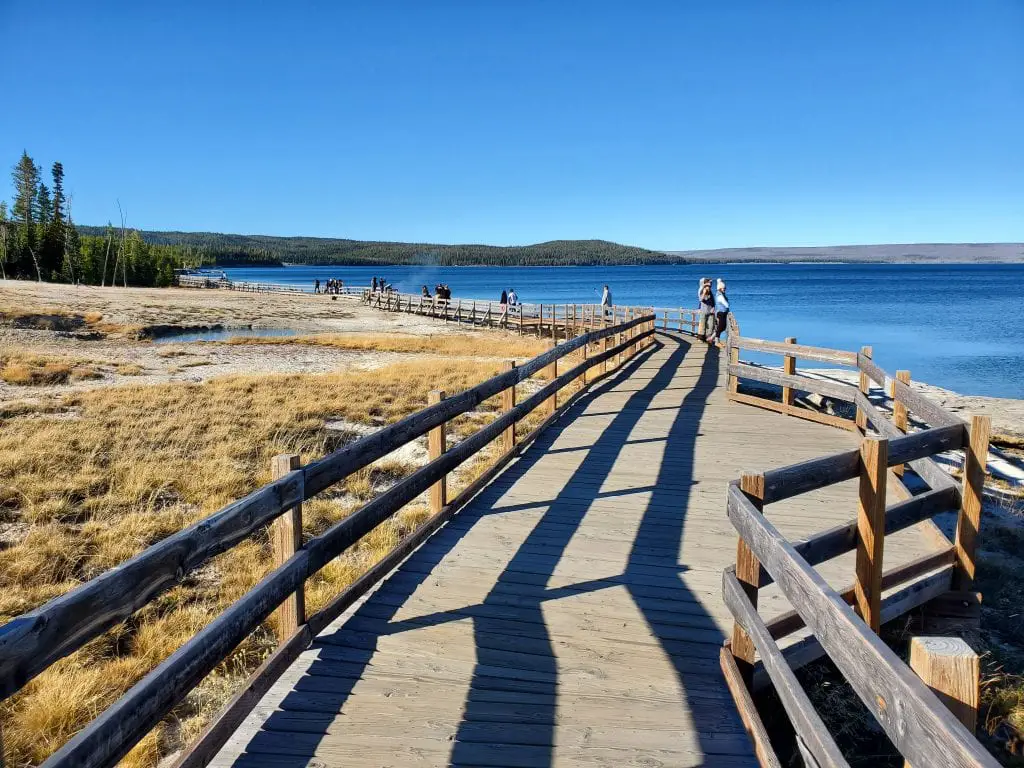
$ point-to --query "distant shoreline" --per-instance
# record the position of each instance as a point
(752, 262)
(235, 250)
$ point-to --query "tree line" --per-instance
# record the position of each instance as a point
(40, 241)
(267, 250)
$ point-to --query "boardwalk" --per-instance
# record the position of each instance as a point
(571, 614)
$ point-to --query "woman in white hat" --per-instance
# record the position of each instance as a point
(721, 310)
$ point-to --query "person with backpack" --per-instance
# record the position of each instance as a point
(706, 306)
(504, 308)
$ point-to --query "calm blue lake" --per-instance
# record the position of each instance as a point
(959, 326)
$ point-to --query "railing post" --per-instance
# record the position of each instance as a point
(874, 458)
(436, 445)
(631, 334)
(508, 402)
(789, 369)
(604, 348)
(286, 539)
(748, 573)
(664, 323)
(554, 317)
(551, 373)
(865, 388)
(951, 668)
(734, 359)
(968, 521)
(899, 411)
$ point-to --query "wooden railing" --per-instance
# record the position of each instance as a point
(844, 624)
(250, 286)
(32, 642)
(555, 321)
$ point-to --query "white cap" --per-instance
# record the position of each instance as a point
(721, 284)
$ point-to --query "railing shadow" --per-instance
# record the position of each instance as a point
(293, 732)
(510, 714)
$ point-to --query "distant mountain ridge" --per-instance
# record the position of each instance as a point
(913, 253)
(272, 250)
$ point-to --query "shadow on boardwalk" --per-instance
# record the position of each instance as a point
(510, 716)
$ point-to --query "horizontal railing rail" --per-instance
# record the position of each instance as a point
(844, 624)
(557, 321)
(32, 642)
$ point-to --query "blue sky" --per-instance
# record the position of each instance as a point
(671, 125)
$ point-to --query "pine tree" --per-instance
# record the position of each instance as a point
(58, 193)
(44, 206)
(26, 186)
(52, 253)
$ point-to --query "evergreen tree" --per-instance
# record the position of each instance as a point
(26, 186)
(57, 172)
(44, 206)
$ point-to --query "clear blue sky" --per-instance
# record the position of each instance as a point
(671, 125)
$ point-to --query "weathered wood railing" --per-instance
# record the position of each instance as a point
(32, 642)
(844, 624)
(555, 321)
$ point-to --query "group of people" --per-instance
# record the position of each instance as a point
(379, 284)
(714, 310)
(331, 285)
(441, 291)
(508, 299)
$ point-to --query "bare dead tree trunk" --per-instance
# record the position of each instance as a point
(103, 277)
(39, 276)
(124, 266)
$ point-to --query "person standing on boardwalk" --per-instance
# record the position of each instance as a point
(706, 305)
(721, 310)
(374, 284)
(504, 308)
(316, 286)
(606, 301)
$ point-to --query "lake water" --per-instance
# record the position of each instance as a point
(959, 326)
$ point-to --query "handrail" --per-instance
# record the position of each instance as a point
(32, 642)
(919, 725)
(556, 320)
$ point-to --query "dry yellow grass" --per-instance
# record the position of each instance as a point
(29, 370)
(128, 466)
(460, 344)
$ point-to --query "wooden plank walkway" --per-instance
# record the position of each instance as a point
(571, 614)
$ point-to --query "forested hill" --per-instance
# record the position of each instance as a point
(266, 250)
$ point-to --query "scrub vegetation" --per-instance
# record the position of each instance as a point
(89, 479)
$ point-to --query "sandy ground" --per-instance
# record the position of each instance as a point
(127, 311)
(197, 307)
